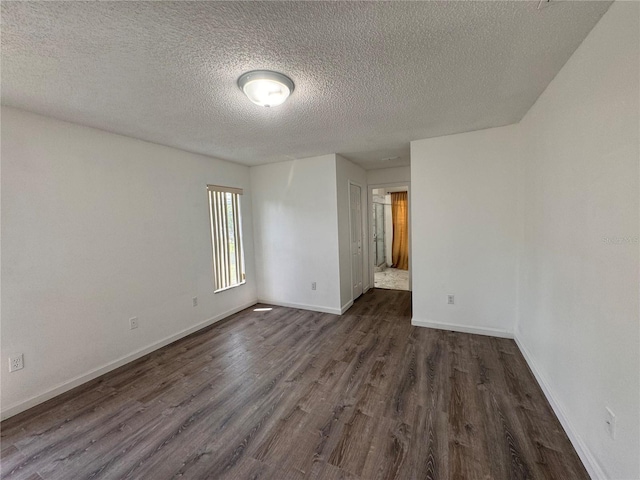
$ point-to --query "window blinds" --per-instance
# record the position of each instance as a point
(226, 235)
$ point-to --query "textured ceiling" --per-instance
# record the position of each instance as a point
(369, 76)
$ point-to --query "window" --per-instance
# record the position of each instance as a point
(226, 236)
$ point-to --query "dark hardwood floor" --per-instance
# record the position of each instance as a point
(292, 394)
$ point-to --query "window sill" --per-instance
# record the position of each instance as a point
(229, 288)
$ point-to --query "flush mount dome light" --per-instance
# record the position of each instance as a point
(265, 88)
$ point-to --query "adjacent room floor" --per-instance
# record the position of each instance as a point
(392, 279)
(293, 394)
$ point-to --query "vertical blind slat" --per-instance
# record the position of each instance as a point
(220, 242)
(235, 236)
(240, 252)
(224, 241)
(225, 219)
(241, 246)
(216, 205)
(213, 238)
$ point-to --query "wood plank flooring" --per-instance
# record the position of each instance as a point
(292, 394)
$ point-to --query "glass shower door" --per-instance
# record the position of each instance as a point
(378, 219)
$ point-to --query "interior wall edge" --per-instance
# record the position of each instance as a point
(349, 304)
(93, 374)
(588, 459)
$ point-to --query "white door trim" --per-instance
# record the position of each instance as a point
(363, 237)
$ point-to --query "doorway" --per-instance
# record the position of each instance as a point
(390, 237)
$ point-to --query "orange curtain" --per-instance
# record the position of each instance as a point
(400, 245)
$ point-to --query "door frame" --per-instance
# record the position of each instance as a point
(372, 259)
(363, 238)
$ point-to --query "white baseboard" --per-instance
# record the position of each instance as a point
(346, 307)
(84, 378)
(492, 332)
(314, 308)
(589, 461)
(302, 306)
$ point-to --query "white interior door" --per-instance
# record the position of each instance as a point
(356, 239)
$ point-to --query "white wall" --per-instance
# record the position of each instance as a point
(465, 227)
(535, 227)
(296, 233)
(579, 310)
(98, 228)
(347, 171)
(389, 175)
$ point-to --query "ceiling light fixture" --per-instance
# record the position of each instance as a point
(266, 88)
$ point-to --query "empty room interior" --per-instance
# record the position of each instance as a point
(320, 240)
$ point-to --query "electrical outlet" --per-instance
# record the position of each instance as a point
(16, 363)
(133, 323)
(313, 285)
(450, 299)
(610, 420)
(195, 301)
